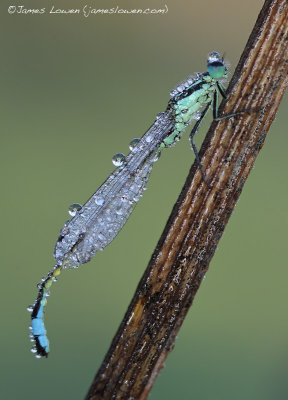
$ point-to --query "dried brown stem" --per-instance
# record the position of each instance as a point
(182, 256)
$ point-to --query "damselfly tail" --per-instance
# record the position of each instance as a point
(38, 330)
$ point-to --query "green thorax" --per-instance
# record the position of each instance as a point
(190, 98)
(188, 103)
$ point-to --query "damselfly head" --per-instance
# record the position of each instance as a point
(216, 66)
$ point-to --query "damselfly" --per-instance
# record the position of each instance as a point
(96, 224)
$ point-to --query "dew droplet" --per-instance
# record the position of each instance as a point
(33, 350)
(30, 308)
(74, 208)
(119, 211)
(133, 144)
(99, 200)
(156, 157)
(180, 88)
(118, 159)
(149, 138)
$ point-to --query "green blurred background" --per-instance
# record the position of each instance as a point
(74, 91)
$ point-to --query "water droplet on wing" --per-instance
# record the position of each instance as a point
(99, 200)
(133, 143)
(74, 208)
(118, 159)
